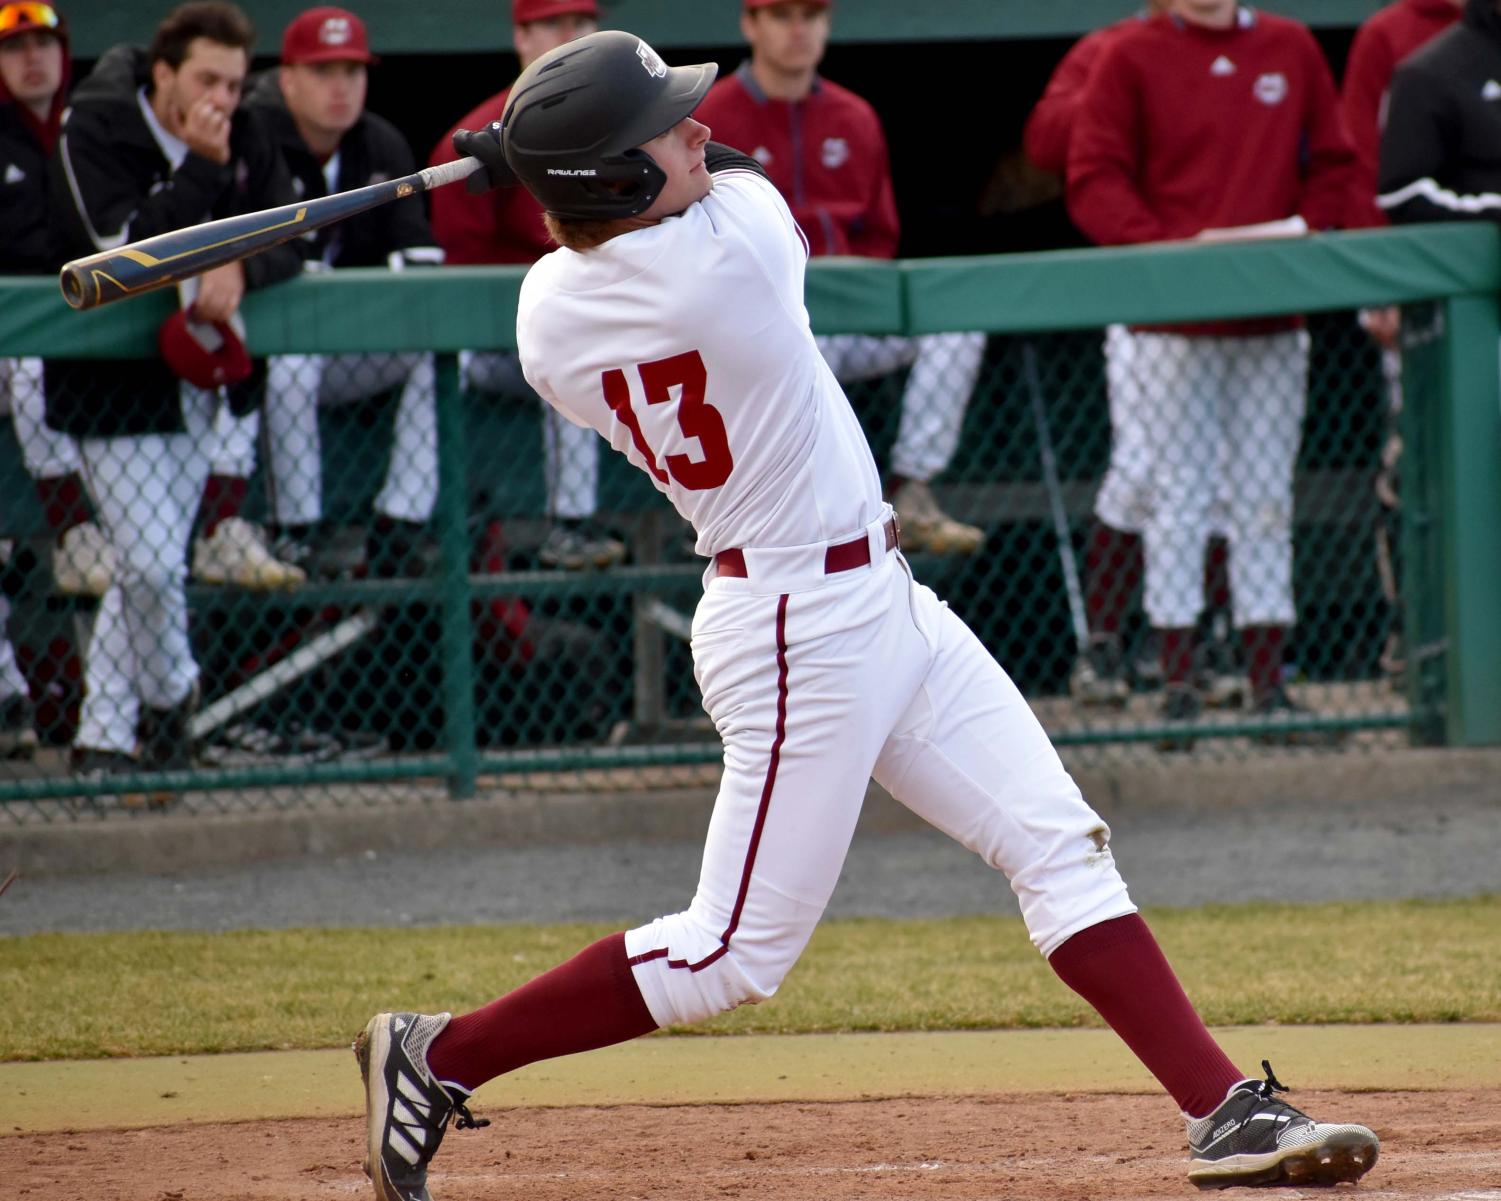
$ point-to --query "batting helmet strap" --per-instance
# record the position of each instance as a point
(577, 116)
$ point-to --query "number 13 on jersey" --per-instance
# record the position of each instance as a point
(696, 419)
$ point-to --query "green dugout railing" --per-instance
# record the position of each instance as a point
(1448, 277)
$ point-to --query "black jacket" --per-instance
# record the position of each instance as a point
(1441, 147)
(23, 197)
(109, 183)
(372, 151)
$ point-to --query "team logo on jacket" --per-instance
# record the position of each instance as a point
(762, 156)
(836, 152)
(334, 31)
(1222, 66)
(1271, 88)
(651, 60)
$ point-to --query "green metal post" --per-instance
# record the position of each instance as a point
(458, 635)
(1471, 522)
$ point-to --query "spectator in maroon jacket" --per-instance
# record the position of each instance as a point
(1113, 558)
(1204, 121)
(824, 148)
(505, 226)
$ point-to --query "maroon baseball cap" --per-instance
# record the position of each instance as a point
(326, 35)
(525, 11)
(211, 355)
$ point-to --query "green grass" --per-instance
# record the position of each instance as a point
(85, 996)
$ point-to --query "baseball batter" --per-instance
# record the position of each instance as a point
(671, 321)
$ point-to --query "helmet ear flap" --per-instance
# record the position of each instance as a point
(643, 182)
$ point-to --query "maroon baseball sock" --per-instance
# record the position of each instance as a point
(590, 1001)
(63, 503)
(1263, 646)
(1112, 570)
(1177, 653)
(1118, 968)
(223, 496)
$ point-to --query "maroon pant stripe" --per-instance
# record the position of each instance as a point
(761, 810)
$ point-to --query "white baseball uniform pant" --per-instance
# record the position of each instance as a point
(232, 447)
(1225, 419)
(816, 683)
(944, 370)
(147, 489)
(12, 680)
(47, 453)
(570, 462)
(1124, 500)
(297, 384)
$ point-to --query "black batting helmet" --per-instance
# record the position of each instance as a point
(577, 115)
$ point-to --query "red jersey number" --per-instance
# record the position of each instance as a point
(696, 419)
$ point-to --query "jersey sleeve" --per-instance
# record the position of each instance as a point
(1329, 167)
(1367, 73)
(1104, 157)
(1046, 135)
(1420, 138)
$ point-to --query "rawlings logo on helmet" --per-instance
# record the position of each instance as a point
(570, 171)
(651, 60)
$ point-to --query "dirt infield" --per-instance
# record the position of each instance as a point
(1439, 1146)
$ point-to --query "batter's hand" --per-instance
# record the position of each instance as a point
(206, 131)
(219, 293)
(484, 145)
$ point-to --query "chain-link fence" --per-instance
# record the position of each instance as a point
(370, 573)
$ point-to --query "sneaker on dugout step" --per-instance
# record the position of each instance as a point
(578, 546)
(1278, 705)
(925, 526)
(237, 554)
(1256, 1140)
(406, 1110)
(18, 738)
(1181, 703)
(83, 563)
(320, 551)
(1099, 675)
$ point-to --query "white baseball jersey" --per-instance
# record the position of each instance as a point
(758, 445)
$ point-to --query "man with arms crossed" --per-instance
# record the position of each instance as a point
(672, 322)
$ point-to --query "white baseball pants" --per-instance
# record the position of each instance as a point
(570, 462)
(147, 489)
(816, 683)
(1124, 500)
(1225, 420)
(297, 384)
(944, 370)
(48, 454)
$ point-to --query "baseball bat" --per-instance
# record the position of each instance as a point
(167, 258)
(1055, 501)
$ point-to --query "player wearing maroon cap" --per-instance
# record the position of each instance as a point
(505, 226)
(1209, 118)
(315, 105)
(824, 148)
